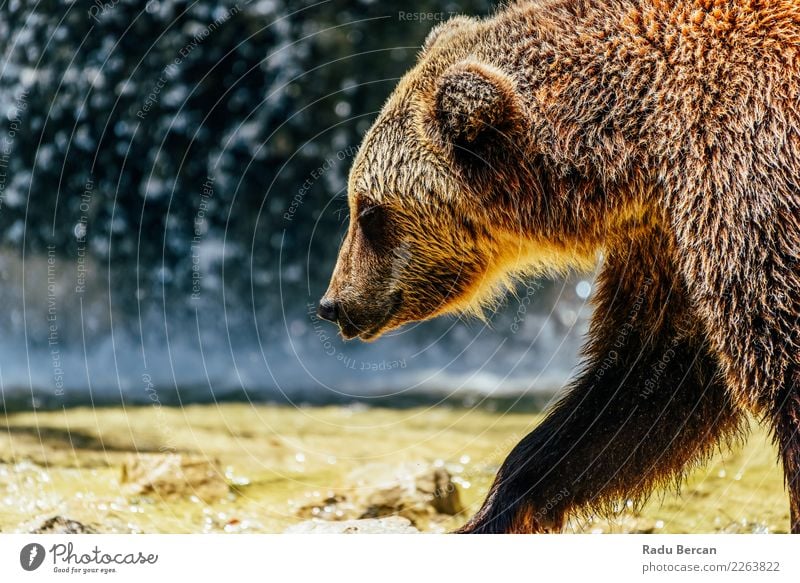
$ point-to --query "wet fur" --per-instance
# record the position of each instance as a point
(664, 135)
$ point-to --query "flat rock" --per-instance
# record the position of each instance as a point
(388, 525)
(170, 476)
(62, 525)
(421, 492)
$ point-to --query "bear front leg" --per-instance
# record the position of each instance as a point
(648, 403)
(608, 442)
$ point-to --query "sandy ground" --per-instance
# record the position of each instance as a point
(68, 463)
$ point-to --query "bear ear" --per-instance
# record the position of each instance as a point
(444, 29)
(475, 102)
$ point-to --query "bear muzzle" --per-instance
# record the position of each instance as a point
(365, 320)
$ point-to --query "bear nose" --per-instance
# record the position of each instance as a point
(328, 310)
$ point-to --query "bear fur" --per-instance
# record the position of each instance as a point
(661, 137)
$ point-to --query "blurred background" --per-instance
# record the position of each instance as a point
(172, 198)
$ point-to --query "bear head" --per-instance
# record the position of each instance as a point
(436, 225)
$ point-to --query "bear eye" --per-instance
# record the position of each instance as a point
(371, 220)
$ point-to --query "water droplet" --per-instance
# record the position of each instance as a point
(342, 109)
(583, 289)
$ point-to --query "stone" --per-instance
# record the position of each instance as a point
(421, 492)
(388, 525)
(62, 525)
(170, 476)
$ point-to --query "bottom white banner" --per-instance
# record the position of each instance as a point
(353, 559)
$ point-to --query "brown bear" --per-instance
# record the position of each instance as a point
(660, 137)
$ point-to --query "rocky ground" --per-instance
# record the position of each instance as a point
(242, 468)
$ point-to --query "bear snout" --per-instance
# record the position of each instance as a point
(328, 309)
(365, 319)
